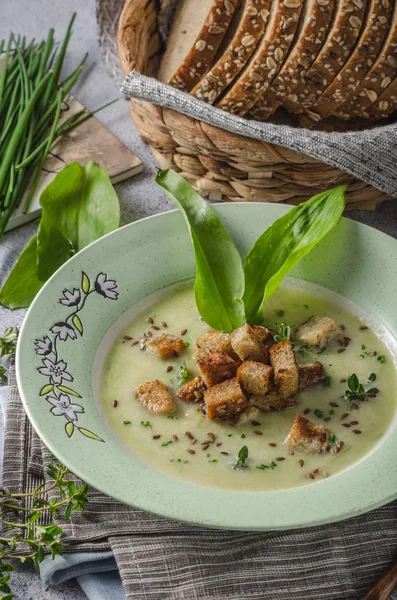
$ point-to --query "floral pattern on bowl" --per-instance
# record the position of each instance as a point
(54, 368)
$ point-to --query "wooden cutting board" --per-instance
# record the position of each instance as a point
(89, 141)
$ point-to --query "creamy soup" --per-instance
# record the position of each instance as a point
(165, 442)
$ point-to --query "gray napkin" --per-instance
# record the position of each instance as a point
(161, 560)
(369, 155)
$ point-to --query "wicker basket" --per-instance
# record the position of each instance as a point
(219, 164)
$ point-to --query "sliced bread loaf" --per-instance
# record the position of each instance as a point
(341, 39)
(248, 32)
(312, 32)
(369, 45)
(197, 31)
(266, 60)
(377, 80)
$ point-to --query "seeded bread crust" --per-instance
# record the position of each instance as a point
(239, 50)
(377, 80)
(314, 28)
(344, 86)
(266, 60)
(205, 46)
(341, 39)
(386, 103)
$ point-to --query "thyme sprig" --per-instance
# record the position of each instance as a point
(22, 516)
(356, 390)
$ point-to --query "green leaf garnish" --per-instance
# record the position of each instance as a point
(372, 377)
(146, 424)
(319, 413)
(327, 381)
(272, 465)
(219, 284)
(164, 444)
(183, 372)
(353, 383)
(284, 243)
(79, 206)
(242, 456)
(381, 358)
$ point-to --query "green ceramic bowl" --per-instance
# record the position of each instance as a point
(121, 269)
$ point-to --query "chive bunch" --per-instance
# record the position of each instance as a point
(31, 97)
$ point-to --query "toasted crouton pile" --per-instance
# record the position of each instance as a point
(307, 436)
(242, 373)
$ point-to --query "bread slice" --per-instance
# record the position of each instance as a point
(266, 60)
(197, 31)
(341, 39)
(249, 30)
(344, 86)
(378, 79)
(311, 34)
(386, 104)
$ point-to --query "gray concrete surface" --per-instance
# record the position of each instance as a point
(139, 197)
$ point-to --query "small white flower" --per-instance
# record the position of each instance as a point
(64, 331)
(44, 346)
(57, 371)
(106, 287)
(62, 406)
(71, 298)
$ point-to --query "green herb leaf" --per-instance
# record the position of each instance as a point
(183, 372)
(327, 381)
(332, 438)
(381, 358)
(219, 284)
(79, 206)
(164, 444)
(372, 377)
(23, 283)
(242, 456)
(146, 424)
(284, 243)
(319, 413)
(353, 383)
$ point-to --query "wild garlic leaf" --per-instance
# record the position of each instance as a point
(283, 245)
(23, 283)
(79, 206)
(219, 284)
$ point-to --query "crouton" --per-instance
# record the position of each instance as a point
(216, 368)
(225, 400)
(248, 415)
(316, 331)
(154, 396)
(262, 333)
(310, 375)
(192, 391)
(286, 373)
(307, 436)
(255, 378)
(248, 343)
(270, 402)
(214, 341)
(165, 345)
